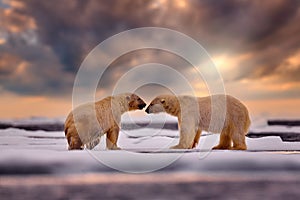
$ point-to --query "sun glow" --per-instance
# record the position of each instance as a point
(2, 41)
(227, 61)
(181, 4)
(294, 61)
(158, 4)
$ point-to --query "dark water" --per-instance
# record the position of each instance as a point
(59, 126)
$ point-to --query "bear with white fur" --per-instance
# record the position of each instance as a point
(88, 122)
(217, 114)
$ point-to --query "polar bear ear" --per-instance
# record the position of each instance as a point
(162, 101)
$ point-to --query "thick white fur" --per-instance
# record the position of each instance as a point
(229, 117)
(88, 122)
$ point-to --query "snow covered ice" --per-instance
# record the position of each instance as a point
(34, 163)
(144, 150)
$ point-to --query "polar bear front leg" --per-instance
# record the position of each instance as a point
(93, 143)
(112, 138)
(186, 139)
(197, 137)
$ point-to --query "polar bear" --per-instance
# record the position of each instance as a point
(88, 122)
(195, 113)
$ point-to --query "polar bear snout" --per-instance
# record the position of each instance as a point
(155, 108)
(142, 105)
(147, 110)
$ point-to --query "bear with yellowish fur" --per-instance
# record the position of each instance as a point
(217, 114)
(88, 122)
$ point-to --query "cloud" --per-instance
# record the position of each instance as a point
(44, 42)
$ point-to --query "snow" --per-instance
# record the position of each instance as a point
(141, 116)
(144, 150)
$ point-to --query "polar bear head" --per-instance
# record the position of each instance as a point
(134, 102)
(163, 103)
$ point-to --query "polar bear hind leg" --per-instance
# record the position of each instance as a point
(74, 142)
(238, 139)
(225, 139)
(112, 138)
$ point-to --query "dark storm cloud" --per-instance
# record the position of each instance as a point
(267, 30)
(51, 38)
(140, 57)
(247, 21)
(73, 28)
(28, 68)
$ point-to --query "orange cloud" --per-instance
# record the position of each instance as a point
(14, 21)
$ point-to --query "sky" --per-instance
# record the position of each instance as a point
(254, 44)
